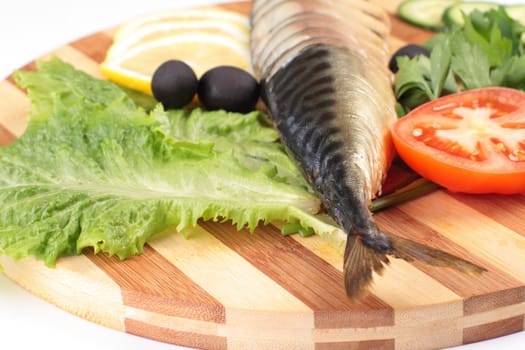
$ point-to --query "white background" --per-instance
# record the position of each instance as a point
(29, 29)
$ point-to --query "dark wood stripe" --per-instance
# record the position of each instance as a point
(507, 210)
(488, 302)
(31, 66)
(94, 46)
(11, 80)
(399, 223)
(387, 344)
(493, 330)
(405, 32)
(306, 276)
(189, 339)
(240, 7)
(6, 137)
(150, 282)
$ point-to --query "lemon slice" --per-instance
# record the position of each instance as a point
(201, 51)
(156, 31)
(204, 38)
(195, 15)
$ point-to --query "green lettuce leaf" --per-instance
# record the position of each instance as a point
(246, 137)
(94, 170)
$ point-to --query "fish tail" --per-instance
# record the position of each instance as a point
(362, 259)
(409, 250)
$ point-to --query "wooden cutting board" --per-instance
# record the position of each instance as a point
(223, 289)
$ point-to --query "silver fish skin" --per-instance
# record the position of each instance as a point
(335, 124)
(329, 94)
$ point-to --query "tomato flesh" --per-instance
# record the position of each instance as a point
(472, 141)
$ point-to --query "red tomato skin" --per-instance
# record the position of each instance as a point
(445, 169)
(457, 179)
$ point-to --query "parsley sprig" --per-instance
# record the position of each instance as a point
(487, 50)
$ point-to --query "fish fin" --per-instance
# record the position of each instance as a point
(409, 250)
(360, 262)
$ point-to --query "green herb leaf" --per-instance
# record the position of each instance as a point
(415, 189)
(486, 51)
(491, 43)
(511, 73)
(440, 61)
(411, 81)
(470, 63)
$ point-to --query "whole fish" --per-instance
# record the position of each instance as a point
(323, 71)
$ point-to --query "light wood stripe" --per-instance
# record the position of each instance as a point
(172, 329)
(499, 313)
(298, 344)
(163, 334)
(90, 294)
(402, 224)
(496, 207)
(479, 234)
(237, 285)
(428, 329)
(364, 345)
(438, 339)
(78, 59)
(14, 110)
(278, 332)
(398, 286)
(305, 275)
(151, 283)
(174, 323)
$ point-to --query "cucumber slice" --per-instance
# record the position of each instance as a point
(454, 14)
(516, 12)
(424, 13)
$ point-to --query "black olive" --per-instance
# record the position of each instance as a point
(228, 88)
(174, 84)
(411, 50)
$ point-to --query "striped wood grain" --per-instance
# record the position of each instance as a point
(223, 289)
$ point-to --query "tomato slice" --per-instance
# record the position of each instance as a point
(473, 141)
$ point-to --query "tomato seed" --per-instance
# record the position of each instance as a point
(417, 132)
